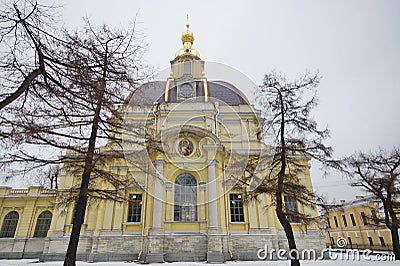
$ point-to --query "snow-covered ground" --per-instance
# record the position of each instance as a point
(360, 262)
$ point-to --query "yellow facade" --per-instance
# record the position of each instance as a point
(29, 204)
(181, 203)
(357, 223)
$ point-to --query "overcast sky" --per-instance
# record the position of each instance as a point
(355, 46)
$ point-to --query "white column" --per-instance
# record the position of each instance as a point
(169, 202)
(212, 195)
(158, 193)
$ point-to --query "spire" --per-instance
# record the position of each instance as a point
(187, 36)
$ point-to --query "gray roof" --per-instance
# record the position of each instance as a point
(219, 91)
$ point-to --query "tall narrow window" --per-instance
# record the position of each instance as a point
(291, 209)
(382, 241)
(135, 208)
(328, 222)
(370, 241)
(236, 206)
(336, 222)
(363, 218)
(353, 221)
(43, 224)
(187, 67)
(185, 196)
(9, 224)
(349, 241)
(344, 220)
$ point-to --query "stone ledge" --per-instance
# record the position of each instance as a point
(61, 256)
(215, 257)
(98, 257)
(11, 255)
(154, 258)
(189, 257)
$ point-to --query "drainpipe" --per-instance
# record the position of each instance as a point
(216, 104)
(227, 221)
(144, 212)
(155, 109)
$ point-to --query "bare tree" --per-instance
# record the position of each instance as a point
(114, 57)
(27, 40)
(47, 178)
(378, 173)
(297, 139)
(74, 110)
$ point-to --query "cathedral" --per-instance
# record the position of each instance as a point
(184, 204)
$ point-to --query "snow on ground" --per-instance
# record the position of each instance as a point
(373, 261)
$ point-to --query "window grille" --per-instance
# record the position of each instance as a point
(43, 224)
(9, 225)
(236, 206)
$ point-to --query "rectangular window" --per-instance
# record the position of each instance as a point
(291, 209)
(353, 221)
(135, 208)
(382, 241)
(370, 241)
(187, 67)
(335, 220)
(364, 218)
(374, 217)
(328, 222)
(344, 220)
(236, 206)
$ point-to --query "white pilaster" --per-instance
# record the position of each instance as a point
(158, 194)
(212, 196)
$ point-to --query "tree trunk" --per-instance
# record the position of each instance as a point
(279, 193)
(394, 230)
(80, 208)
(288, 231)
(392, 222)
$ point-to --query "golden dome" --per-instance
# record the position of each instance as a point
(187, 49)
(187, 36)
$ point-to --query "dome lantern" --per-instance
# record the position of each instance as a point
(187, 52)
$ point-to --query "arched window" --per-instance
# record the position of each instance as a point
(185, 196)
(9, 224)
(43, 224)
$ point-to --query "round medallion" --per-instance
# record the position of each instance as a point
(185, 147)
(186, 91)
